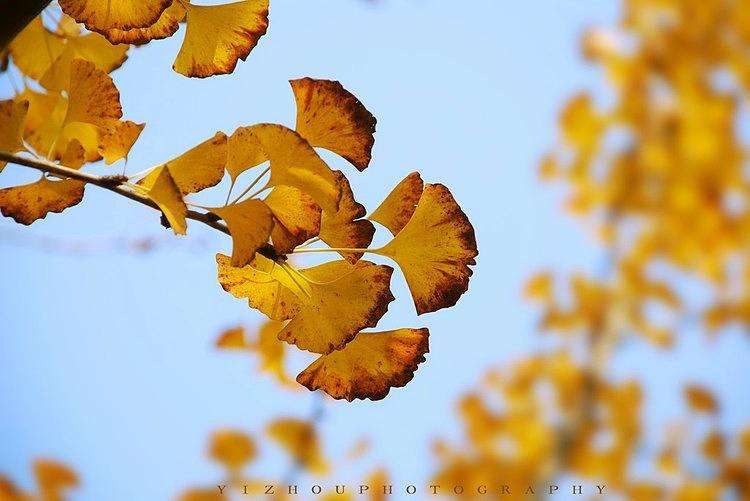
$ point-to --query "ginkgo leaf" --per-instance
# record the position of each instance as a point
(336, 301)
(233, 449)
(250, 223)
(294, 163)
(265, 284)
(330, 117)
(369, 366)
(244, 151)
(344, 228)
(44, 118)
(398, 207)
(92, 95)
(29, 202)
(163, 191)
(300, 440)
(53, 477)
(74, 156)
(270, 351)
(217, 36)
(93, 48)
(297, 217)
(12, 116)
(35, 49)
(116, 142)
(103, 15)
(434, 250)
(166, 26)
(201, 166)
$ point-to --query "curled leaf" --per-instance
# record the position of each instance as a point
(201, 166)
(331, 117)
(250, 223)
(217, 36)
(369, 366)
(103, 15)
(297, 217)
(398, 207)
(162, 190)
(29, 202)
(434, 250)
(344, 228)
(233, 449)
(166, 26)
(300, 440)
(116, 142)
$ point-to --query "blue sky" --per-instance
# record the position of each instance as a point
(106, 358)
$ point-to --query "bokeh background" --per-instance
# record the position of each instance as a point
(107, 358)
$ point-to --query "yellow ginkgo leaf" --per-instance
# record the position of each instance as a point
(297, 217)
(369, 366)
(271, 352)
(53, 477)
(344, 228)
(434, 250)
(300, 440)
(163, 191)
(397, 208)
(44, 118)
(244, 151)
(116, 142)
(700, 399)
(233, 449)
(295, 163)
(29, 202)
(266, 285)
(92, 47)
(330, 117)
(103, 15)
(344, 299)
(12, 115)
(201, 166)
(250, 223)
(332, 302)
(217, 36)
(74, 156)
(166, 26)
(35, 49)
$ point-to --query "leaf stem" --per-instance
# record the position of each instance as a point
(255, 181)
(114, 184)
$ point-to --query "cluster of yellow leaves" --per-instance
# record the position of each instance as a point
(662, 169)
(53, 481)
(235, 451)
(549, 415)
(216, 36)
(76, 118)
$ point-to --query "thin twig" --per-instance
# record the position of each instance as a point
(111, 183)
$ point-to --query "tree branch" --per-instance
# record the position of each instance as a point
(111, 183)
(15, 16)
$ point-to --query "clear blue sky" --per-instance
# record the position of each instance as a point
(106, 359)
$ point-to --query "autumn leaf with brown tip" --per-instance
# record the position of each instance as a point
(217, 36)
(12, 116)
(29, 202)
(434, 250)
(103, 15)
(369, 366)
(297, 217)
(398, 207)
(331, 117)
(166, 26)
